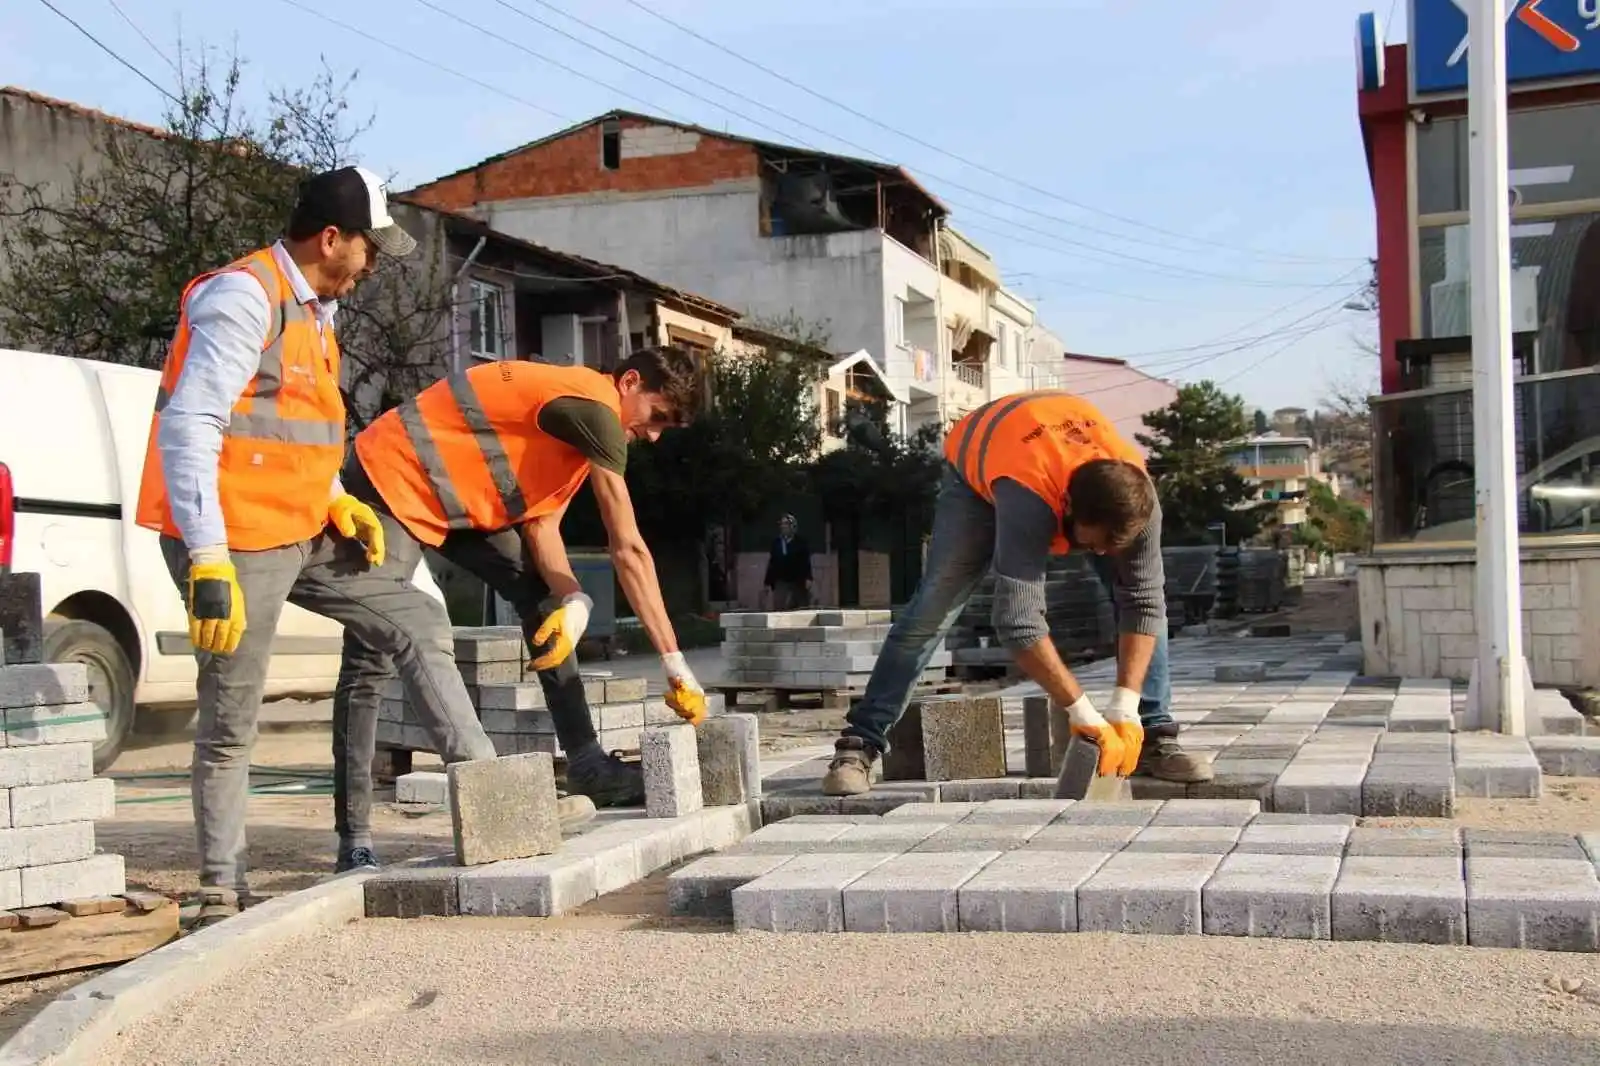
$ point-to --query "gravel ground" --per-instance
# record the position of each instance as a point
(582, 991)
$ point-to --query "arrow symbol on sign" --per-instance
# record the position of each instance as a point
(1537, 21)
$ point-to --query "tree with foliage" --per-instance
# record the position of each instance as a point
(95, 269)
(1334, 524)
(1260, 421)
(1189, 442)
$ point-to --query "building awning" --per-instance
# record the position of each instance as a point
(956, 248)
(863, 358)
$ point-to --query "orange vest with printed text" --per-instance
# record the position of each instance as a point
(1036, 439)
(467, 452)
(284, 441)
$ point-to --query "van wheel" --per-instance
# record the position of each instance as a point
(111, 680)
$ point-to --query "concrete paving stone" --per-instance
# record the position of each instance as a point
(914, 893)
(1036, 737)
(1498, 774)
(1291, 818)
(415, 892)
(942, 812)
(1027, 892)
(1558, 716)
(804, 895)
(45, 764)
(1565, 756)
(1153, 788)
(671, 765)
(1019, 811)
(88, 878)
(620, 715)
(49, 845)
(776, 806)
(981, 790)
(512, 696)
(1096, 838)
(1412, 900)
(527, 888)
(836, 819)
(1277, 838)
(1240, 779)
(963, 836)
(1307, 787)
(1199, 812)
(1407, 790)
(1137, 813)
(704, 888)
(1240, 671)
(905, 760)
(503, 808)
(793, 838)
(1415, 743)
(886, 837)
(963, 738)
(66, 723)
(1520, 844)
(1544, 904)
(487, 644)
(728, 751)
(1196, 839)
(62, 803)
(422, 786)
(43, 684)
(1037, 788)
(1280, 895)
(889, 796)
(1404, 842)
(1136, 892)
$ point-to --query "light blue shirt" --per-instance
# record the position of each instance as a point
(228, 319)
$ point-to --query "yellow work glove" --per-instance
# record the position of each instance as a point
(1086, 722)
(1123, 717)
(684, 694)
(562, 629)
(358, 521)
(216, 607)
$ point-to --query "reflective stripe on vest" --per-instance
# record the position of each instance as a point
(488, 441)
(989, 418)
(253, 426)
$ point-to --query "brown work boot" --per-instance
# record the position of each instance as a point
(1164, 758)
(573, 811)
(850, 772)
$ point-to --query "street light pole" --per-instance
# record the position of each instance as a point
(1499, 678)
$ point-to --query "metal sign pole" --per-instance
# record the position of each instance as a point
(1500, 677)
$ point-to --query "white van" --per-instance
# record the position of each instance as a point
(72, 442)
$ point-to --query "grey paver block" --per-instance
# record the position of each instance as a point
(728, 750)
(422, 786)
(963, 738)
(504, 808)
(1307, 787)
(942, 812)
(704, 888)
(43, 684)
(905, 760)
(790, 838)
(915, 893)
(528, 888)
(1103, 839)
(888, 797)
(1018, 811)
(1288, 839)
(1036, 737)
(1130, 812)
(1568, 756)
(1290, 818)
(671, 764)
(1543, 904)
(1438, 842)
(1409, 790)
(420, 892)
(1507, 844)
(1195, 839)
(804, 895)
(1037, 788)
(964, 836)
(884, 838)
(1412, 900)
(1199, 812)
(1027, 892)
(1271, 895)
(1146, 893)
(1240, 671)
(776, 806)
(981, 791)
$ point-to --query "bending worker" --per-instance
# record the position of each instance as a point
(241, 479)
(1026, 477)
(481, 467)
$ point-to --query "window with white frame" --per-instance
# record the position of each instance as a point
(899, 323)
(1000, 342)
(488, 333)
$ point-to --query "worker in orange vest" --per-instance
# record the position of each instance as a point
(481, 468)
(1028, 476)
(241, 480)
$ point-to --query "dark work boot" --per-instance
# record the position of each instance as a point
(358, 858)
(1164, 758)
(850, 772)
(605, 779)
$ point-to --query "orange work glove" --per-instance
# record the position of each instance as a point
(1086, 722)
(1123, 717)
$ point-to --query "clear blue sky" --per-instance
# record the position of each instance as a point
(1230, 124)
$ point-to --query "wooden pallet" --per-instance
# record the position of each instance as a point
(780, 697)
(84, 933)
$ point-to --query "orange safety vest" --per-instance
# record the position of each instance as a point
(467, 452)
(1036, 439)
(284, 443)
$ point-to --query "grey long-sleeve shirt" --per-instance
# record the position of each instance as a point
(1024, 528)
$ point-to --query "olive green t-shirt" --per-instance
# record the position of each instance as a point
(589, 426)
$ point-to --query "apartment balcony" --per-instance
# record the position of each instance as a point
(924, 376)
(966, 388)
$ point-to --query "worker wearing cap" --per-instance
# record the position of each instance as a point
(481, 467)
(241, 481)
(1028, 476)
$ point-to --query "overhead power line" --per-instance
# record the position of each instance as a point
(168, 60)
(795, 83)
(98, 43)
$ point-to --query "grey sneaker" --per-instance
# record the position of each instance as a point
(1164, 759)
(850, 772)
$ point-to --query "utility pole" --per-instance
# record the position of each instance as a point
(1499, 681)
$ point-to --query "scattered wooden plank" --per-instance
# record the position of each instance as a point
(45, 940)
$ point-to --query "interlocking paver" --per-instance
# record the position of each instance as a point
(1539, 903)
(1027, 891)
(915, 893)
(804, 895)
(1145, 893)
(1271, 895)
(1412, 900)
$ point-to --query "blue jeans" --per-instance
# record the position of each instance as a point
(959, 555)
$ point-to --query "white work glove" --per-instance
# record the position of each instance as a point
(1088, 723)
(684, 694)
(562, 629)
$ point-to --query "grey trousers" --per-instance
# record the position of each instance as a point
(330, 576)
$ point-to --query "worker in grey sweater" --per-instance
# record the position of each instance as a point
(1028, 476)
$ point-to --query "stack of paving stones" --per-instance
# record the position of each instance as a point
(1077, 606)
(702, 793)
(1216, 867)
(49, 796)
(1295, 729)
(810, 651)
(494, 663)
